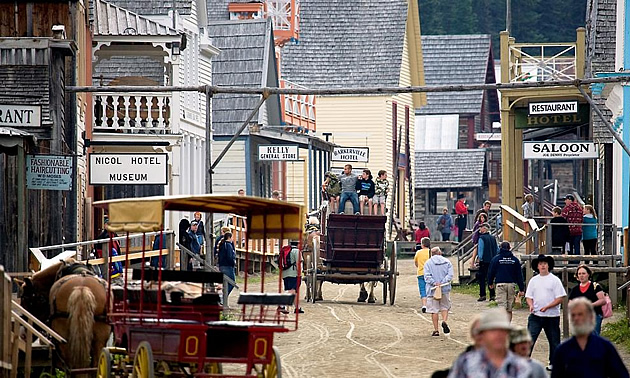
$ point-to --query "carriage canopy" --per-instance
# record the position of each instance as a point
(265, 218)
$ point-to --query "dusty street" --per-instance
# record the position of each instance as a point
(342, 338)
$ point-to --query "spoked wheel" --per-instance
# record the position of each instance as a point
(143, 361)
(274, 368)
(307, 277)
(393, 274)
(314, 261)
(384, 283)
(104, 369)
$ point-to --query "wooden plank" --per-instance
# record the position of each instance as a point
(565, 307)
(577, 258)
(132, 256)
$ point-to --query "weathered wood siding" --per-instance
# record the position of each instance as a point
(44, 16)
(230, 175)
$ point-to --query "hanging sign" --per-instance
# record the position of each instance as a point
(20, 115)
(351, 154)
(523, 119)
(555, 107)
(559, 150)
(128, 169)
(49, 172)
(279, 152)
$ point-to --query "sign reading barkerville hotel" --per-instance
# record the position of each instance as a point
(20, 115)
(128, 169)
(556, 107)
(351, 154)
(278, 152)
(559, 150)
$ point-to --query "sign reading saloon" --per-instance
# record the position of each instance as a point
(351, 154)
(20, 115)
(559, 150)
(556, 107)
(49, 172)
(278, 152)
(128, 169)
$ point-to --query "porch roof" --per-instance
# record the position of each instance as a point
(112, 20)
(437, 169)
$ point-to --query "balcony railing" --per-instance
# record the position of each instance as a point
(541, 62)
(132, 113)
(298, 110)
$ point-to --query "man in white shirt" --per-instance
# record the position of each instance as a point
(544, 295)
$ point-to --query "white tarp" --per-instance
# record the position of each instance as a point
(437, 132)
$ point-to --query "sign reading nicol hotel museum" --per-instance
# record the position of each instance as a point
(559, 150)
(128, 169)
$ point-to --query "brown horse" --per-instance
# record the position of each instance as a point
(73, 302)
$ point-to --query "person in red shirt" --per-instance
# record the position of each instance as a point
(573, 213)
(422, 232)
(461, 209)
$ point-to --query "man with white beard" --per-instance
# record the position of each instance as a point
(586, 354)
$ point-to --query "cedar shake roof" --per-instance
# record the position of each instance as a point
(114, 20)
(442, 169)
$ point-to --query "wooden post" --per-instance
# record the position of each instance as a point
(529, 272)
(21, 258)
(5, 323)
(565, 302)
(612, 282)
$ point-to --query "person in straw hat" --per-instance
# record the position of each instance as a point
(521, 344)
(493, 359)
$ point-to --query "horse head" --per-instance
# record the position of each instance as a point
(34, 299)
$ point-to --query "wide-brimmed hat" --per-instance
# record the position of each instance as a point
(520, 335)
(569, 197)
(548, 259)
(496, 318)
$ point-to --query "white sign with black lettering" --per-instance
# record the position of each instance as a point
(559, 150)
(351, 154)
(556, 107)
(128, 169)
(280, 152)
(20, 115)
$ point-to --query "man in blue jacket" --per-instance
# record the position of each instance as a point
(506, 269)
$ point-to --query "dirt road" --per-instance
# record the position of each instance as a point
(342, 338)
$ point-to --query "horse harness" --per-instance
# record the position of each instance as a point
(66, 273)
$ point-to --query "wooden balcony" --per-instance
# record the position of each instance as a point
(132, 113)
(298, 111)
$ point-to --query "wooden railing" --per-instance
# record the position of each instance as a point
(298, 110)
(133, 113)
(517, 228)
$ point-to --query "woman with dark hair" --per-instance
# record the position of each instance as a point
(422, 232)
(590, 290)
(366, 188)
(589, 232)
(483, 218)
(186, 241)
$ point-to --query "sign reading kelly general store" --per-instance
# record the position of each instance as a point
(278, 152)
(351, 154)
(128, 169)
(20, 115)
(560, 150)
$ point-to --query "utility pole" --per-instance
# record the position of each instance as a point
(209, 217)
(508, 16)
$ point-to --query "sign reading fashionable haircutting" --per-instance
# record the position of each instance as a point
(555, 107)
(559, 150)
(279, 152)
(49, 172)
(351, 154)
(128, 169)
(20, 115)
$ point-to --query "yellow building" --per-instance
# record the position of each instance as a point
(362, 44)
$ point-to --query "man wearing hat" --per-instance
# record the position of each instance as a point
(493, 359)
(520, 344)
(544, 295)
(461, 209)
(506, 269)
(573, 213)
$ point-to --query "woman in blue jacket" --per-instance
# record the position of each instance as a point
(589, 233)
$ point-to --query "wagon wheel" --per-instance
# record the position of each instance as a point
(392, 277)
(307, 277)
(384, 283)
(143, 361)
(104, 369)
(315, 259)
(274, 368)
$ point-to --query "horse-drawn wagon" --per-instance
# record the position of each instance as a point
(351, 250)
(157, 334)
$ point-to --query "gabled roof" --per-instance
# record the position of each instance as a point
(114, 20)
(218, 9)
(347, 43)
(155, 7)
(442, 169)
(456, 59)
(246, 59)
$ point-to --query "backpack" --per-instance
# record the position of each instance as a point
(284, 258)
(334, 186)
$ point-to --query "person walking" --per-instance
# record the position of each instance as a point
(381, 190)
(227, 260)
(422, 232)
(528, 206)
(506, 269)
(521, 344)
(485, 209)
(423, 253)
(461, 209)
(573, 213)
(589, 232)
(438, 273)
(290, 275)
(586, 354)
(348, 190)
(493, 359)
(560, 235)
(591, 291)
(544, 295)
(486, 250)
(445, 224)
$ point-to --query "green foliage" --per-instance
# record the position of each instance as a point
(58, 374)
(618, 332)
(532, 20)
(472, 289)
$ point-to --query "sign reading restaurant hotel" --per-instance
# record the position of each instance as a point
(278, 152)
(128, 169)
(49, 172)
(351, 154)
(556, 107)
(20, 115)
(559, 150)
